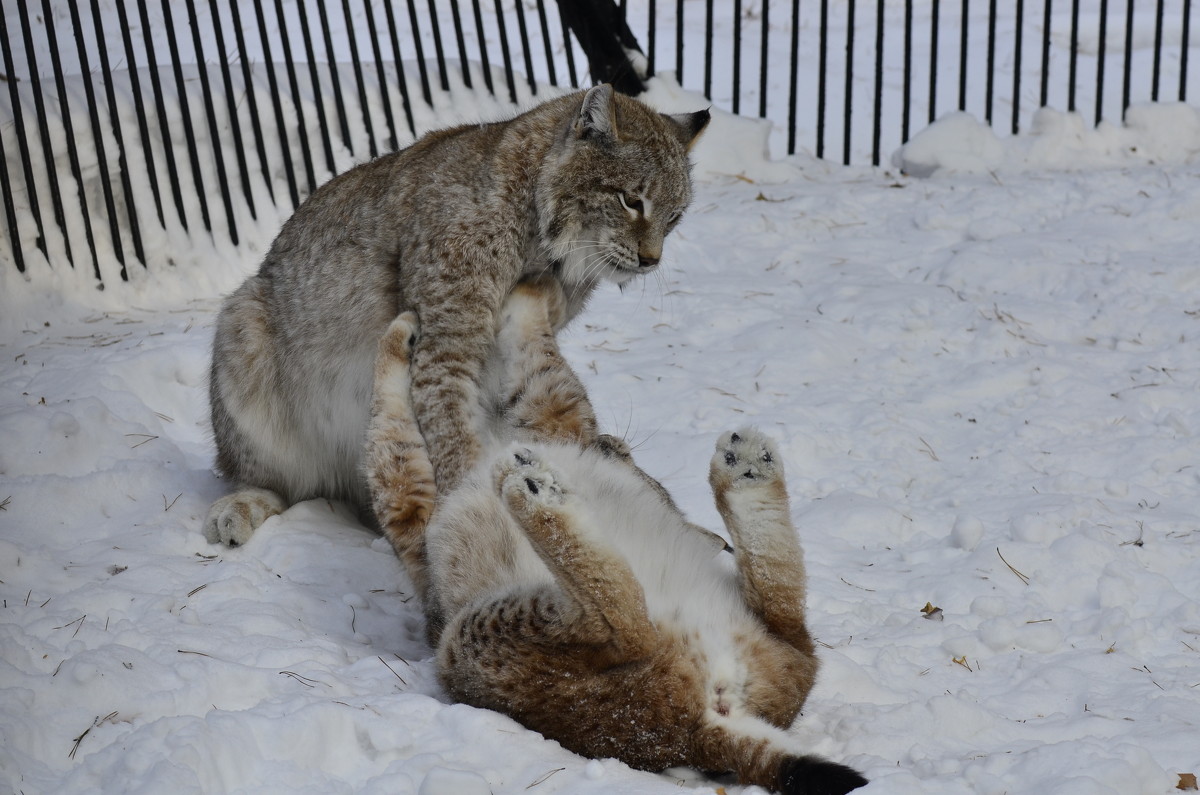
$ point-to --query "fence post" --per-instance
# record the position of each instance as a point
(605, 38)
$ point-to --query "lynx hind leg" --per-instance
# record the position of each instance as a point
(747, 479)
(399, 474)
(233, 518)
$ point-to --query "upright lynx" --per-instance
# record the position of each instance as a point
(563, 587)
(583, 188)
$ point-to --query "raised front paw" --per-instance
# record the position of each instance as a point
(234, 518)
(745, 457)
(527, 483)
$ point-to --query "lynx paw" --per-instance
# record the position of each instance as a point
(233, 518)
(526, 483)
(746, 457)
(398, 341)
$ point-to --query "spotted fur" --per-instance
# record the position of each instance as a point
(444, 228)
(566, 590)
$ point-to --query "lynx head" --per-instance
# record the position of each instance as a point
(618, 182)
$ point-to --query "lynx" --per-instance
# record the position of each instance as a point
(583, 189)
(564, 588)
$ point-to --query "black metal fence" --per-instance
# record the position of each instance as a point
(125, 123)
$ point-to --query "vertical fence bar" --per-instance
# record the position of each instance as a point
(822, 69)
(569, 50)
(277, 106)
(135, 231)
(381, 76)
(763, 60)
(506, 54)
(26, 159)
(335, 82)
(251, 96)
(461, 41)
(906, 99)
(400, 78)
(877, 122)
(964, 34)
(160, 108)
(793, 81)
(314, 79)
(849, 98)
(1183, 50)
(185, 109)
(1045, 54)
(93, 107)
(39, 104)
(652, 37)
(1100, 53)
(135, 85)
(679, 41)
(235, 126)
(1128, 56)
(933, 59)
(211, 114)
(708, 47)
(10, 212)
(421, 68)
(737, 56)
(990, 80)
(1158, 39)
(69, 129)
(438, 51)
(356, 62)
(289, 63)
(483, 53)
(1074, 56)
(544, 23)
(523, 30)
(1016, 90)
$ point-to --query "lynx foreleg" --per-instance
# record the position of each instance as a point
(399, 475)
(605, 604)
(542, 395)
(746, 475)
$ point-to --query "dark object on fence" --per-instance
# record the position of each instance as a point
(602, 32)
(127, 124)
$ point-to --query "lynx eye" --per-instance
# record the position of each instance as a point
(630, 202)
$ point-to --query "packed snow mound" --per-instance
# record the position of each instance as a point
(958, 143)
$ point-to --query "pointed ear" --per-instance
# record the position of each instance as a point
(597, 120)
(688, 126)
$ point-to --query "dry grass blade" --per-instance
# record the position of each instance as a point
(393, 670)
(545, 776)
(146, 437)
(1023, 577)
(5, 503)
(304, 680)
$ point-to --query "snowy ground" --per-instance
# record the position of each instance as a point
(984, 383)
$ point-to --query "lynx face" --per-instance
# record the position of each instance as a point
(621, 187)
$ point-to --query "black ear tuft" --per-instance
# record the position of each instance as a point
(597, 121)
(811, 775)
(688, 126)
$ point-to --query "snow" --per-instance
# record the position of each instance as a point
(982, 375)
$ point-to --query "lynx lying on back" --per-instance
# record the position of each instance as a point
(563, 587)
(583, 188)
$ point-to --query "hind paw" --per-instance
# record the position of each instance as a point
(746, 457)
(398, 341)
(527, 483)
(234, 518)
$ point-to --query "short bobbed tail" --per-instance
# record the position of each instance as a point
(757, 759)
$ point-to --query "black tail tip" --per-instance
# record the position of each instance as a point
(810, 775)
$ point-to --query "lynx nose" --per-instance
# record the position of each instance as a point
(647, 262)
